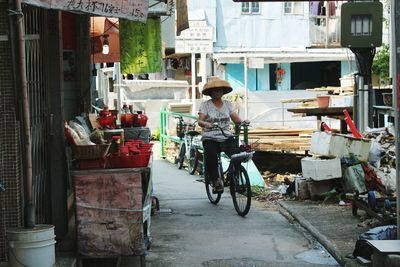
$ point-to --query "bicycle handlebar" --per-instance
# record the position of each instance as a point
(216, 126)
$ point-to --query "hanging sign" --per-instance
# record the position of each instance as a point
(182, 21)
(128, 9)
(140, 46)
(256, 63)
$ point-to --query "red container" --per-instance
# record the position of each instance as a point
(142, 119)
(107, 122)
(135, 121)
(131, 161)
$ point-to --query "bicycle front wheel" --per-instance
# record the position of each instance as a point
(181, 155)
(193, 160)
(241, 190)
(213, 197)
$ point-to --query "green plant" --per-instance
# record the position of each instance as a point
(380, 65)
(236, 99)
(156, 135)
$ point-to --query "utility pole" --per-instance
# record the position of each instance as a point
(395, 50)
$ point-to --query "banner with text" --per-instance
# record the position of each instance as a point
(128, 9)
(140, 46)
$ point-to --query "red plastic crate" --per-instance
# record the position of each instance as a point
(131, 161)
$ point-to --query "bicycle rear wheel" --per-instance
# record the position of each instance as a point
(193, 160)
(181, 155)
(241, 191)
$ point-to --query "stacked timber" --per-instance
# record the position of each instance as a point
(280, 139)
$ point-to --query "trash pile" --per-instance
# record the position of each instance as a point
(382, 156)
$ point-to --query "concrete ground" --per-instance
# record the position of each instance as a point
(333, 226)
(190, 231)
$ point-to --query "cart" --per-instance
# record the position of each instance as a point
(113, 212)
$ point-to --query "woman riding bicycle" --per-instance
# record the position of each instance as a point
(217, 111)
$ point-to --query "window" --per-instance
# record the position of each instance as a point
(251, 8)
(293, 8)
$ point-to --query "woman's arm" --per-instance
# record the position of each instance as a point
(235, 118)
(202, 121)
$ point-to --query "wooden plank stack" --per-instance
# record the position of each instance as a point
(280, 139)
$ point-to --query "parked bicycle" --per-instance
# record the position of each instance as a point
(237, 176)
(187, 151)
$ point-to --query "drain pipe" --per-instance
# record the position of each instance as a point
(29, 209)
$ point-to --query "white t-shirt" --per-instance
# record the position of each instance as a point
(219, 115)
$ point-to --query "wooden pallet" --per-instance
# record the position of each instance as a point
(280, 139)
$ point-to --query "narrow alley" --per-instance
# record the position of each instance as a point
(190, 231)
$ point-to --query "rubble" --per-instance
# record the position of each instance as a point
(383, 156)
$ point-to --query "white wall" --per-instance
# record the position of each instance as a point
(267, 111)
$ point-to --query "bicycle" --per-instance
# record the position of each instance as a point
(186, 150)
(237, 176)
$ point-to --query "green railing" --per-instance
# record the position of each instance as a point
(164, 114)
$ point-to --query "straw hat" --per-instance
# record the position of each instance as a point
(216, 84)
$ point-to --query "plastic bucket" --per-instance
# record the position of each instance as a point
(323, 101)
(31, 247)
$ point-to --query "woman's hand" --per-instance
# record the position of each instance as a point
(208, 125)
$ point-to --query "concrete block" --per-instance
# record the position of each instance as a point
(321, 169)
(339, 145)
(301, 189)
(317, 188)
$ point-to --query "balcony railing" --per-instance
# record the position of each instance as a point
(325, 31)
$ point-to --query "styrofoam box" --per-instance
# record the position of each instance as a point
(346, 81)
(321, 169)
(338, 145)
(341, 101)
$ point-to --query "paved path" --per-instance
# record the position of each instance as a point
(190, 231)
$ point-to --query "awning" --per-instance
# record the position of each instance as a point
(128, 9)
(284, 55)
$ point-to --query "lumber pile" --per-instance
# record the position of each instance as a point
(280, 139)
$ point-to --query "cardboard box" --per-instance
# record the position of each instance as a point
(339, 145)
(341, 101)
(321, 169)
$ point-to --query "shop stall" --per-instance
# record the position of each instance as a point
(111, 173)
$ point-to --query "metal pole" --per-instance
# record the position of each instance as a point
(203, 64)
(29, 209)
(119, 88)
(361, 103)
(193, 83)
(395, 18)
(246, 93)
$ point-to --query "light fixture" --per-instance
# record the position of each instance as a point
(106, 45)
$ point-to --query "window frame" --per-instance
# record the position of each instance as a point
(293, 9)
(250, 7)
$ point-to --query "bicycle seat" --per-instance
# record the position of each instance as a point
(193, 133)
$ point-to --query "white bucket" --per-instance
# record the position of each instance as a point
(31, 247)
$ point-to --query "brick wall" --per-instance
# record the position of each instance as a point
(10, 161)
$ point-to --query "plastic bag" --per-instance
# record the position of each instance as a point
(375, 153)
(71, 135)
(79, 129)
(84, 139)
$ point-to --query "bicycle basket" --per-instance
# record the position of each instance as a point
(231, 146)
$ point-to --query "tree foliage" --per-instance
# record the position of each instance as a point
(380, 65)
